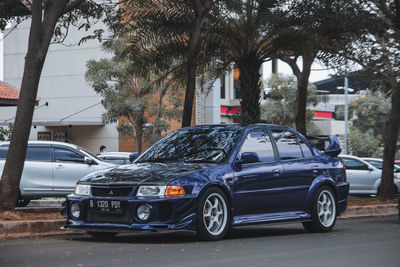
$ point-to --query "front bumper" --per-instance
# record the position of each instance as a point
(166, 214)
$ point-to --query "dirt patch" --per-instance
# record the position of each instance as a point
(363, 201)
(29, 215)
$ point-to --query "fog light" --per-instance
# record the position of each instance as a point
(75, 210)
(143, 212)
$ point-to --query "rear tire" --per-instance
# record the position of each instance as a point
(102, 235)
(213, 215)
(323, 211)
(22, 202)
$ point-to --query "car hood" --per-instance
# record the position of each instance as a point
(143, 173)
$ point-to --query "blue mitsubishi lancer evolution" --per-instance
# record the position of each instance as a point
(208, 179)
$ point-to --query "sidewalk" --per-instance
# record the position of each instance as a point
(12, 229)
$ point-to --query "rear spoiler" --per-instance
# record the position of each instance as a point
(329, 144)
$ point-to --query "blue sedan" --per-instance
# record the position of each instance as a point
(207, 179)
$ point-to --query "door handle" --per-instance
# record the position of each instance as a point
(276, 172)
(60, 166)
(314, 171)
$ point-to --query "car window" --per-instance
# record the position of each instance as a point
(38, 154)
(352, 164)
(376, 164)
(66, 155)
(306, 150)
(288, 145)
(258, 141)
(3, 152)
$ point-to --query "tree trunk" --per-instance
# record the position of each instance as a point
(250, 88)
(387, 186)
(301, 102)
(302, 88)
(139, 131)
(200, 13)
(39, 40)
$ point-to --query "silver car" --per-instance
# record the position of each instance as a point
(52, 168)
(364, 178)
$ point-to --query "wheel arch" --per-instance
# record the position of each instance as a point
(319, 182)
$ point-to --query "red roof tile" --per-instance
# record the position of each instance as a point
(7, 91)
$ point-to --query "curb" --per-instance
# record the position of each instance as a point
(370, 211)
(15, 229)
(30, 228)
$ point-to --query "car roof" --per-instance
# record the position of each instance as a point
(34, 142)
(237, 126)
(115, 153)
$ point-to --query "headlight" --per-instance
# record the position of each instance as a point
(82, 189)
(149, 191)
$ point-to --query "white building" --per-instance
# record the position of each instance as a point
(69, 109)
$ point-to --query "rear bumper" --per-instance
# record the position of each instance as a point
(342, 194)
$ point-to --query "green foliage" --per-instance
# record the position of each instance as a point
(370, 112)
(132, 92)
(279, 108)
(5, 133)
(364, 143)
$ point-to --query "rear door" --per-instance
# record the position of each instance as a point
(37, 175)
(69, 167)
(300, 167)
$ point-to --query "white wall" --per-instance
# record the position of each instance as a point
(63, 87)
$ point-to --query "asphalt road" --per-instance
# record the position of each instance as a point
(367, 242)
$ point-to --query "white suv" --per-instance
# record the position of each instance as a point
(52, 168)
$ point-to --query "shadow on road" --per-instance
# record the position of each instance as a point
(180, 237)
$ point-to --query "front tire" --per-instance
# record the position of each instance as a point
(323, 211)
(213, 215)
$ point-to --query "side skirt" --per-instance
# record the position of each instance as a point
(271, 218)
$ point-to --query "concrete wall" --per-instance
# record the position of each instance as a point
(63, 87)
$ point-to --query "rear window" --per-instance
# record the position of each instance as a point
(32, 153)
(3, 152)
(288, 145)
(38, 154)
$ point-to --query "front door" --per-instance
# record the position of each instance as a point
(69, 167)
(257, 187)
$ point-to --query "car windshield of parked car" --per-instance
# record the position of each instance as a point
(208, 145)
(378, 164)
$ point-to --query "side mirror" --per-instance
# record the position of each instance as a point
(370, 169)
(89, 161)
(334, 146)
(248, 157)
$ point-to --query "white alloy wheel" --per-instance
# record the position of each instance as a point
(326, 208)
(215, 214)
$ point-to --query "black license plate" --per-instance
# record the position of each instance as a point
(106, 206)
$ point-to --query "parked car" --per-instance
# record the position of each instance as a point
(52, 169)
(206, 179)
(119, 158)
(378, 164)
(363, 177)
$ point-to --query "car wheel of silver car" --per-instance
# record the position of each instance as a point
(22, 202)
(323, 211)
(213, 215)
(102, 235)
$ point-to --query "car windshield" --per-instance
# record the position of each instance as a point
(202, 145)
(378, 164)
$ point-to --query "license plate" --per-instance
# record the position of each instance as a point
(106, 206)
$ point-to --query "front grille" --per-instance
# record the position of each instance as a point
(109, 218)
(111, 191)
